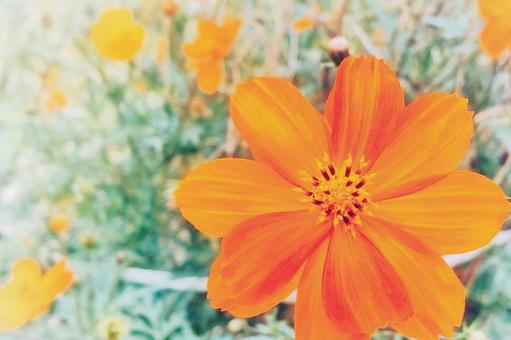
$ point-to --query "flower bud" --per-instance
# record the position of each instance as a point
(338, 48)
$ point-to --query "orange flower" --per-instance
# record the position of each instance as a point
(30, 293)
(59, 223)
(116, 36)
(207, 52)
(303, 24)
(496, 35)
(354, 208)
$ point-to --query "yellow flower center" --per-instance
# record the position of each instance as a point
(340, 192)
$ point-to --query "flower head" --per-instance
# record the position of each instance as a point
(207, 52)
(303, 24)
(54, 101)
(116, 36)
(30, 293)
(113, 328)
(353, 208)
(59, 223)
(496, 35)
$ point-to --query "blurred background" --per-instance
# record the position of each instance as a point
(91, 149)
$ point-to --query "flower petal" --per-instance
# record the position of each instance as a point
(30, 293)
(219, 194)
(437, 296)
(261, 256)
(311, 319)
(280, 125)
(363, 108)
(459, 213)
(491, 9)
(430, 143)
(220, 294)
(496, 37)
(210, 75)
(361, 289)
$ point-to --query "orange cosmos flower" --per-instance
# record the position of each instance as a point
(116, 36)
(496, 35)
(207, 52)
(353, 209)
(30, 293)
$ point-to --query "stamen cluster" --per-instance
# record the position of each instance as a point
(339, 192)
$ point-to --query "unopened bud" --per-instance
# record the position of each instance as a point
(338, 48)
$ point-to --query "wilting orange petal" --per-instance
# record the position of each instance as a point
(222, 193)
(262, 255)
(280, 125)
(437, 296)
(492, 9)
(363, 108)
(361, 289)
(496, 36)
(459, 213)
(429, 144)
(29, 294)
(311, 319)
(210, 76)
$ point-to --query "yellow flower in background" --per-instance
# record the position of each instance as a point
(54, 101)
(113, 329)
(59, 223)
(30, 293)
(303, 24)
(207, 52)
(116, 36)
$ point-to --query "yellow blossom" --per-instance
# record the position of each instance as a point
(59, 223)
(30, 293)
(116, 36)
(54, 101)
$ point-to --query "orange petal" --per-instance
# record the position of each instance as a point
(210, 75)
(221, 294)
(496, 37)
(311, 319)
(363, 107)
(260, 258)
(491, 9)
(229, 31)
(361, 289)
(219, 194)
(29, 294)
(459, 213)
(437, 296)
(429, 144)
(280, 125)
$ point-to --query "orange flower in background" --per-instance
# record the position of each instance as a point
(206, 54)
(59, 223)
(54, 101)
(116, 36)
(496, 35)
(353, 209)
(303, 24)
(30, 293)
